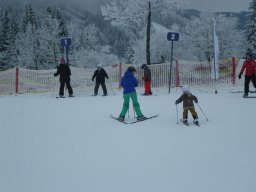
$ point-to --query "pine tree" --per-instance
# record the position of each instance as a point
(251, 26)
(28, 41)
(50, 33)
(4, 37)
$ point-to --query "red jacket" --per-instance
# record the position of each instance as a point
(249, 66)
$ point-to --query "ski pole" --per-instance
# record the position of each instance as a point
(202, 111)
(177, 113)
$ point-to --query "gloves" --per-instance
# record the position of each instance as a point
(55, 74)
(239, 76)
(176, 102)
(92, 79)
(196, 101)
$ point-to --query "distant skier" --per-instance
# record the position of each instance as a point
(188, 105)
(147, 79)
(64, 71)
(129, 82)
(100, 75)
(249, 66)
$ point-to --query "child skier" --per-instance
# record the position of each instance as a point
(147, 79)
(129, 82)
(188, 105)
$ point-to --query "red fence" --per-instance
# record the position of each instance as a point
(21, 80)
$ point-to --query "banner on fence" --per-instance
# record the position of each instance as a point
(215, 60)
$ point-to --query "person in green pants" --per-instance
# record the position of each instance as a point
(129, 82)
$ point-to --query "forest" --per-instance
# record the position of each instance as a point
(30, 35)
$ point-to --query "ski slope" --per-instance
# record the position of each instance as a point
(72, 145)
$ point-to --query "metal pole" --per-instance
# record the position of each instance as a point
(170, 73)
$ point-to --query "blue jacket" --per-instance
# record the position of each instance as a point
(129, 82)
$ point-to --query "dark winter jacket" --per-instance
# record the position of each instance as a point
(249, 66)
(147, 73)
(187, 99)
(100, 75)
(64, 71)
(129, 82)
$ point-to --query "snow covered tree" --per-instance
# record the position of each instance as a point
(199, 36)
(8, 32)
(251, 26)
(133, 16)
(50, 35)
(28, 18)
(27, 44)
(12, 51)
(88, 48)
(231, 41)
(4, 37)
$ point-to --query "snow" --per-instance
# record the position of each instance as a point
(72, 145)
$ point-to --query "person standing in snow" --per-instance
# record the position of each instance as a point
(249, 66)
(129, 82)
(64, 71)
(188, 105)
(147, 79)
(100, 75)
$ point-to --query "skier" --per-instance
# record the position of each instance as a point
(188, 105)
(100, 75)
(129, 82)
(64, 71)
(250, 71)
(147, 79)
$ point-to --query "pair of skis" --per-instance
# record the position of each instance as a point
(132, 122)
(243, 92)
(187, 124)
(62, 97)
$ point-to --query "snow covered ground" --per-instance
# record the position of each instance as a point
(72, 145)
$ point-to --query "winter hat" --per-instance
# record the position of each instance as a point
(131, 69)
(144, 66)
(62, 60)
(99, 66)
(185, 89)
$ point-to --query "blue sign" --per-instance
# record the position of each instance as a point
(171, 36)
(66, 42)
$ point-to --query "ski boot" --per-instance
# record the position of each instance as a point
(196, 122)
(120, 118)
(141, 118)
(184, 121)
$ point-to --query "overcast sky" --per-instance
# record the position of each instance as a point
(212, 5)
(220, 5)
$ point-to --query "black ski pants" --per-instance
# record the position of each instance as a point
(62, 86)
(247, 80)
(97, 85)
